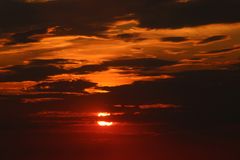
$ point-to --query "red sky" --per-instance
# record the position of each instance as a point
(166, 70)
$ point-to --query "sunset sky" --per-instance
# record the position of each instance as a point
(119, 79)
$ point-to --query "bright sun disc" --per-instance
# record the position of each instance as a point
(104, 114)
(104, 123)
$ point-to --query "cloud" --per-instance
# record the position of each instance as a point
(29, 36)
(86, 69)
(183, 1)
(138, 62)
(127, 65)
(60, 13)
(169, 14)
(36, 1)
(35, 70)
(225, 50)
(174, 39)
(41, 69)
(40, 100)
(15, 88)
(204, 98)
(12, 22)
(213, 39)
(130, 37)
(151, 14)
(139, 66)
(157, 106)
(190, 89)
(77, 86)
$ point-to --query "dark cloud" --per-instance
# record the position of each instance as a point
(89, 69)
(136, 65)
(18, 17)
(130, 37)
(52, 62)
(225, 50)
(73, 16)
(35, 70)
(175, 39)
(212, 89)
(141, 66)
(139, 62)
(27, 37)
(91, 17)
(213, 39)
(205, 98)
(40, 100)
(40, 69)
(63, 86)
(169, 14)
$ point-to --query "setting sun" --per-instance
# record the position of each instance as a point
(104, 123)
(104, 114)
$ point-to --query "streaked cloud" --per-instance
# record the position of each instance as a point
(174, 39)
(37, 1)
(39, 100)
(213, 39)
(157, 106)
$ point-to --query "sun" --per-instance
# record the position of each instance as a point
(104, 123)
(104, 114)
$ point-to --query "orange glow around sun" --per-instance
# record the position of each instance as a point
(104, 123)
(104, 114)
